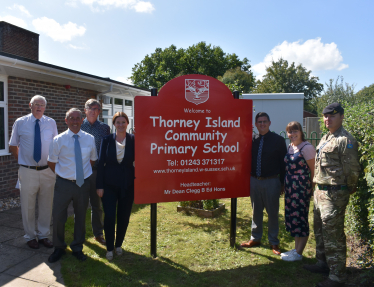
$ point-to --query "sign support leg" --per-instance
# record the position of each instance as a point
(154, 211)
(233, 221)
(154, 230)
(234, 204)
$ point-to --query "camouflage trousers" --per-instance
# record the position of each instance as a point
(331, 249)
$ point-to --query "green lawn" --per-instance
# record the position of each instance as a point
(191, 252)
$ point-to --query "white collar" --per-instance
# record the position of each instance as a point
(71, 134)
(34, 118)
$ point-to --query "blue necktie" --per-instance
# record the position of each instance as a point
(37, 143)
(78, 162)
(258, 169)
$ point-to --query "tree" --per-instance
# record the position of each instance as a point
(238, 77)
(164, 65)
(365, 94)
(158, 68)
(282, 78)
(358, 120)
(235, 86)
(335, 92)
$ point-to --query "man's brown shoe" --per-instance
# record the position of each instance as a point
(33, 244)
(250, 243)
(275, 249)
(329, 283)
(46, 242)
(100, 239)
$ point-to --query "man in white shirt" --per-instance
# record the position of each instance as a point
(29, 143)
(71, 155)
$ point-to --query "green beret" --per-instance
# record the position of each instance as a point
(333, 109)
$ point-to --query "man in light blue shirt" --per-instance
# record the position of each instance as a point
(29, 143)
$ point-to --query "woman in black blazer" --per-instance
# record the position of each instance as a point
(115, 182)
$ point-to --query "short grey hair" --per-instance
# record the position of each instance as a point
(92, 102)
(38, 97)
(73, 110)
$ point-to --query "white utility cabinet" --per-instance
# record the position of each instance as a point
(282, 108)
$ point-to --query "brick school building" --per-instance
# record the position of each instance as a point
(23, 76)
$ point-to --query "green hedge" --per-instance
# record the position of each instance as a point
(359, 121)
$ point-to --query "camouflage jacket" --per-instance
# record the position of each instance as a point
(337, 160)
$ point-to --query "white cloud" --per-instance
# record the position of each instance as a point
(76, 47)
(137, 5)
(20, 8)
(71, 3)
(144, 7)
(312, 54)
(60, 33)
(124, 80)
(14, 20)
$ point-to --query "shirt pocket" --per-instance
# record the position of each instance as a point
(48, 135)
(331, 162)
(330, 156)
(86, 151)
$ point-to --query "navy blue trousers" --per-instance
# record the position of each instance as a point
(114, 204)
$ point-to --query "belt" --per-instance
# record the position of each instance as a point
(264, 177)
(72, 180)
(35, 167)
(332, 187)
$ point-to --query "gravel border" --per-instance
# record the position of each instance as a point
(10, 202)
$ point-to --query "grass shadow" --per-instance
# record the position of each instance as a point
(133, 269)
(137, 207)
(192, 252)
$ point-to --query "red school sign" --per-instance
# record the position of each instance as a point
(193, 142)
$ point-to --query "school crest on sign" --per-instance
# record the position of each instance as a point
(196, 91)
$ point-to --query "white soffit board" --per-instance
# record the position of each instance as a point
(18, 68)
(274, 96)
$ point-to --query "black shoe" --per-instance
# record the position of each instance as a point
(80, 256)
(56, 255)
(316, 269)
(329, 283)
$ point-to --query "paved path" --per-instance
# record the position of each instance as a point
(19, 264)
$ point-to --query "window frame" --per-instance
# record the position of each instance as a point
(4, 104)
(130, 127)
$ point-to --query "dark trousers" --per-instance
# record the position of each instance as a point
(265, 194)
(112, 202)
(65, 192)
(96, 209)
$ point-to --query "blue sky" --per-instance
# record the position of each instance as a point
(108, 37)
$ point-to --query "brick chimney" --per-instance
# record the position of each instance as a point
(18, 41)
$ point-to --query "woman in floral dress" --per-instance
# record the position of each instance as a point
(298, 189)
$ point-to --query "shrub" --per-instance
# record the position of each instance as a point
(359, 121)
(207, 204)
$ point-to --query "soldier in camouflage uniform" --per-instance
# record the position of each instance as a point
(336, 174)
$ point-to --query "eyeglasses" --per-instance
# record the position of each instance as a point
(93, 109)
(262, 122)
(74, 119)
(39, 106)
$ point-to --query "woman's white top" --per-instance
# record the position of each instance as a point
(120, 147)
